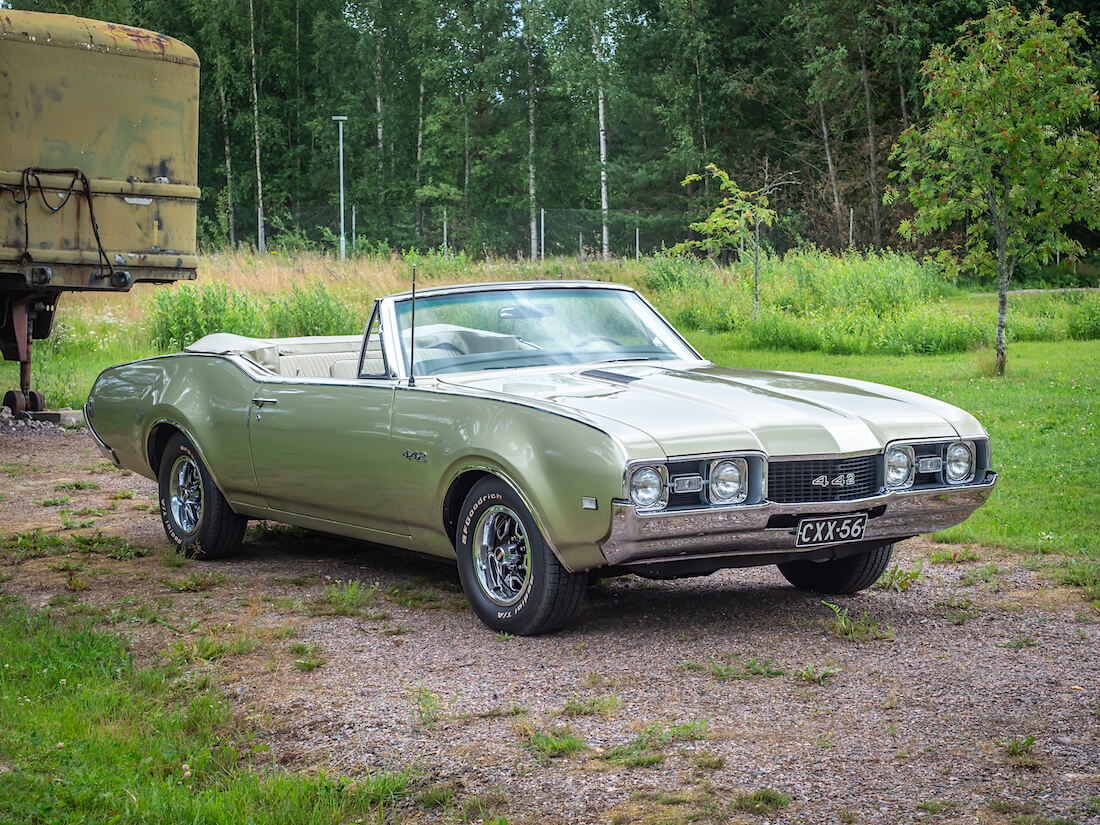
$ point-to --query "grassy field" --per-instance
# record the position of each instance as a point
(1042, 417)
(87, 737)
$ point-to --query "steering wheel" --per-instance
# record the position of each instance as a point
(594, 338)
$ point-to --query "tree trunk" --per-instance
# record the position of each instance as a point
(531, 152)
(838, 212)
(228, 167)
(1003, 275)
(465, 155)
(261, 243)
(378, 111)
(902, 92)
(419, 154)
(603, 142)
(871, 152)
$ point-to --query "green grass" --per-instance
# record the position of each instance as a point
(89, 737)
(647, 748)
(1043, 419)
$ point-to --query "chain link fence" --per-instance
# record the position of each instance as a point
(501, 233)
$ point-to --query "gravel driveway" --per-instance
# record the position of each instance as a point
(667, 702)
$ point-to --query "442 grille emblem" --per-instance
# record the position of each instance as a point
(842, 480)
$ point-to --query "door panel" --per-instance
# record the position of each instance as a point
(322, 449)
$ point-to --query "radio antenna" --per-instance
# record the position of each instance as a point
(412, 335)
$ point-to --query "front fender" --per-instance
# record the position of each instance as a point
(552, 461)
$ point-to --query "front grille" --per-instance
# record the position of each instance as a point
(791, 482)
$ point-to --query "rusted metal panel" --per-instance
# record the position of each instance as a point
(97, 120)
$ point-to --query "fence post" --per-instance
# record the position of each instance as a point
(445, 253)
(580, 244)
(353, 229)
(542, 237)
(851, 224)
(637, 243)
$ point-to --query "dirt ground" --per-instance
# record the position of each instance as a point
(701, 675)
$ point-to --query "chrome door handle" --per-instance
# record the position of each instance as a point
(259, 402)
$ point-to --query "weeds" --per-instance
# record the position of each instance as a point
(708, 761)
(1083, 573)
(76, 485)
(1022, 641)
(735, 668)
(985, 573)
(815, 674)
(899, 579)
(194, 583)
(308, 656)
(343, 599)
(594, 706)
(551, 744)
(419, 594)
(954, 555)
(935, 806)
(646, 748)
(1019, 751)
(860, 629)
(960, 610)
(57, 501)
(427, 706)
(761, 801)
(173, 558)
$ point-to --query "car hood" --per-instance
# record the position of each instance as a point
(697, 407)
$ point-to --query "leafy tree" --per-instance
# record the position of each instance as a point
(730, 222)
(1004, 147)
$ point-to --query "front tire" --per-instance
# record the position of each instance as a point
(196, 516)
(839, 576)
(512, 578)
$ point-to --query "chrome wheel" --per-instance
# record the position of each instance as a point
(185, 494)
(502, 555)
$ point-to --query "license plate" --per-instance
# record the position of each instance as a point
(830, 530)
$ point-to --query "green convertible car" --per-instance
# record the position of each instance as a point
(537, 432)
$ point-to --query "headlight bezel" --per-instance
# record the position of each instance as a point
(910, 454)
(662, 475)
(972, 463)
(742, 467)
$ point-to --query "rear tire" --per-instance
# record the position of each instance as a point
(512, 578)
(839, 576)
(196, 516)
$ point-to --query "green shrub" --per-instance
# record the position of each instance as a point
(311, 311)
(1084, 320)
(182, 315)
(666, 271)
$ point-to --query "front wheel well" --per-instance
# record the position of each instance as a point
(456, 494)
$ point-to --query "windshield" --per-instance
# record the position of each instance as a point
(509, 328)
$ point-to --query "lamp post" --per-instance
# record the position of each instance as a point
(340, 122)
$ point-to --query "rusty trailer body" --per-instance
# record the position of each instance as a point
(98, 168)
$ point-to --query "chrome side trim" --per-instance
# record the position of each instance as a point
(743, 530)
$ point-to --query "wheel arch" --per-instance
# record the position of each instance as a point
(464, 480)
(156, 442)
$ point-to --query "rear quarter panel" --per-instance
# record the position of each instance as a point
(206, 397)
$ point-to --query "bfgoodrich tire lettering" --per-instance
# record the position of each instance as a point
(196, 516)
(839, 576)
(513, 580)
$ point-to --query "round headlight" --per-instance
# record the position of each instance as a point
(646, 488)
(960, 462)
(899, 466)
(729, 481)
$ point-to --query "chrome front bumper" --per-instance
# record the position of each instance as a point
(770, 527)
